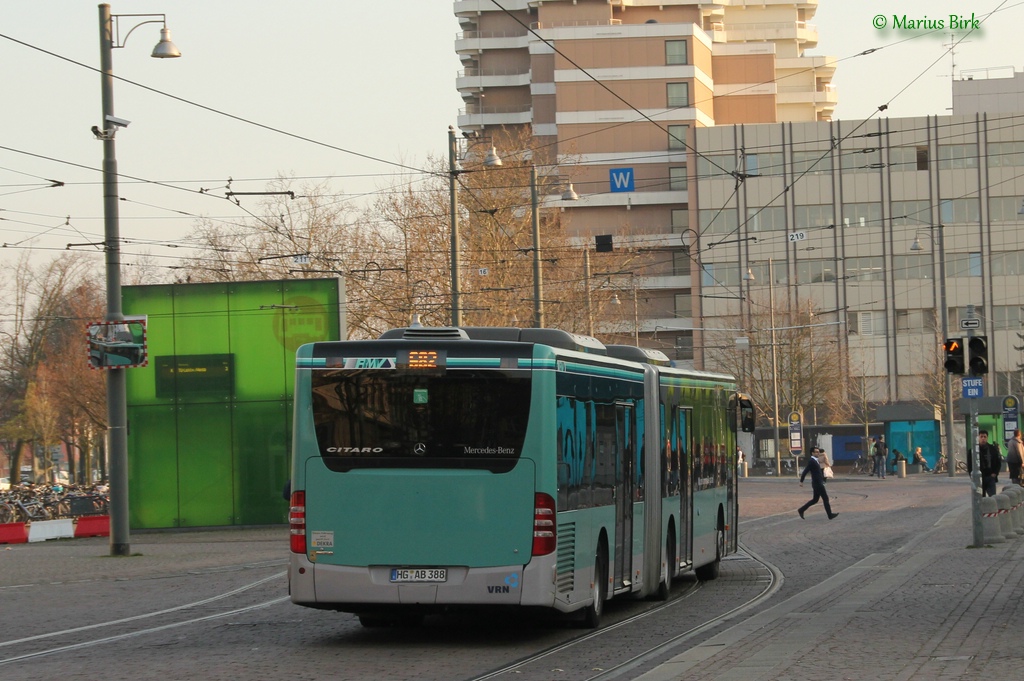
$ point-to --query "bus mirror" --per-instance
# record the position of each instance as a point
(747, 416)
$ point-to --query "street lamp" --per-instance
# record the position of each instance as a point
(492, 160)
(538, 276)
(117, 409)
(944, 316)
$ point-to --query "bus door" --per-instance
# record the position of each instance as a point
(625, 452)
(682, 430)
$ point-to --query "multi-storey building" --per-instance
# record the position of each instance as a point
(611, 91)
(853, 216)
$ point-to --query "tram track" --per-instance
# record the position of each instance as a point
(75, 631)
(769, 574)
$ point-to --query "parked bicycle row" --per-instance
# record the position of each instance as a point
(25, 503)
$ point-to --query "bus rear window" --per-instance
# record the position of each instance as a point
(388, 419)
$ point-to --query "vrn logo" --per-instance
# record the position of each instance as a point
(511, 582)
(369, 363)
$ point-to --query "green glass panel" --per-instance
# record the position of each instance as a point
(201, 341)
(257, 340)
(318, 316)
(261, 461)
(205, 466)
(157, 304)
(152, 467)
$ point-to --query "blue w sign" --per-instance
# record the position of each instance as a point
(620, 179)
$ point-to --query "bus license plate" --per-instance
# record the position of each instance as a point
(419, 575)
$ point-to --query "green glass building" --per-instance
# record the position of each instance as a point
(209, 415)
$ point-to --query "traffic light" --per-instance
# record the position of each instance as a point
(954, 355)
(978, 346)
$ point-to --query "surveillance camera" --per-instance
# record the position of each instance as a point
(119, 122)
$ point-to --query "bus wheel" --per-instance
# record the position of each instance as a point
(706, 573)
(592, 613)
(670, 557)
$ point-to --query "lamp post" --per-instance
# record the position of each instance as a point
(538, 275)
(454, 169)
(947, 406)
(117, 409)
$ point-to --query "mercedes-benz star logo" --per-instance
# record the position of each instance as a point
(420, 449)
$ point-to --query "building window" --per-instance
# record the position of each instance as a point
(862, 214)
(959, 210)
(911, 213)
(815, 271)
(720, 274)
(684, 305)
(907, 267)
(964, 265)
(680, 263)
(1007, 317)
(1005, 154)
(1008, 264)
(677, 136)
(819, 215)
(812, 162)
(958, 156)
(680, 220)
(915, 321)
(677, 179)
(715, 165)
(870, 323)
(715, 221)
(908, 158)
(861, 160)
(1004, 209)
(678, 95)
(865, 269)
(684, 345)
(761, 165)
(766, 219)
(675, 52)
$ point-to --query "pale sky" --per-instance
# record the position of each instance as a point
(372, 77)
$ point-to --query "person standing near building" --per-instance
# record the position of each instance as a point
(1015, 456)
(881, 453)
(990, 463)
(817, 486)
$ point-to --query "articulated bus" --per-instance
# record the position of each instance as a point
(440, 468)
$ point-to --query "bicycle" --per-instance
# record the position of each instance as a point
(862, 466)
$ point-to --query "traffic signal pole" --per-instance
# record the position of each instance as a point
(974, 453)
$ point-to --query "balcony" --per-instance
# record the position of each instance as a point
(477, 41)
(478, 79)
(800, 31)
(475, 117)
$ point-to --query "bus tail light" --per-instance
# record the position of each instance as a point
(544, 535)
(297, 522)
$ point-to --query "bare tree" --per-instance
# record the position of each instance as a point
(806, 371)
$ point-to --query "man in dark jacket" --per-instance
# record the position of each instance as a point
(990, 463)
(817, 485)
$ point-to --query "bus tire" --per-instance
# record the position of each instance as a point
(709, 572)
(592, 613)
(670, 559)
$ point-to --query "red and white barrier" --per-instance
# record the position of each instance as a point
(92, 526)
(13, 533)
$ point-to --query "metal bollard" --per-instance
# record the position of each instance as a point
(990, 520)
(744, 471)
(901, 468)
(1005, 524)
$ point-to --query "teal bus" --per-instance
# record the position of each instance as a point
(441, 468)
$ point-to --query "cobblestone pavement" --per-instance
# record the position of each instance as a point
(891, 589)
(885, 591)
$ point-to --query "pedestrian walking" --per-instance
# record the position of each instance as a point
(1015, 456)
(813, 468)
(881, 454)
(990, 463)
